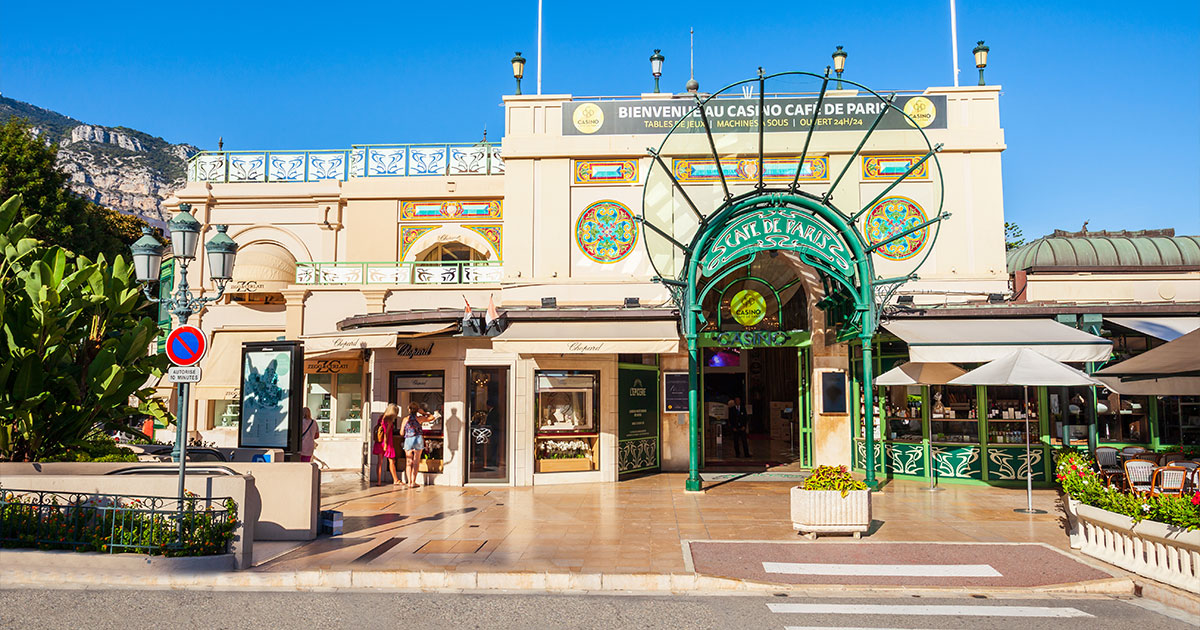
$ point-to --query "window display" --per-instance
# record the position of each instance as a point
(903, 413)
(1006, 414)
(953, 416)
(427, 389)
(1123, 419)
(349, 403)
(566, 402)
(320, 400)
(224, 413)
(1179, 420)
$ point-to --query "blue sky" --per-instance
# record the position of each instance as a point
(1101, 101)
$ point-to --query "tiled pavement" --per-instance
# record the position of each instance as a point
(633, 526)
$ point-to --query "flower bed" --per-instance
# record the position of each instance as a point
(1076, 474)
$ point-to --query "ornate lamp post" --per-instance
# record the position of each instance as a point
(147, 257)
(839, 64)
(656, 61)
(981, 53)
(518, 64)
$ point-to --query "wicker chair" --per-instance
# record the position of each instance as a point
(1138, 475)
(1108, 462)
(1129, 452)
(1148, 457)
(1168, 480)
(1167, 458)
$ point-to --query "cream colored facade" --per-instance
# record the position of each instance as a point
(533, 252)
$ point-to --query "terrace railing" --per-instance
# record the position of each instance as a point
(446, 272)
(116, 523)
(360, 160)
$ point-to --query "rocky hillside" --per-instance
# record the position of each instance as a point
(117, 167)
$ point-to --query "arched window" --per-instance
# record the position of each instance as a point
(451, 251)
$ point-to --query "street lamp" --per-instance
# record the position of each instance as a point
(147, 257)
(518, 64)
(839, 64)
(981, 53)
(656, 61)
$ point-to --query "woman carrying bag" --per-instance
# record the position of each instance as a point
(414, 443)
(384, 445)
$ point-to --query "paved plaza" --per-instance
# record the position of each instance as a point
(635, 526)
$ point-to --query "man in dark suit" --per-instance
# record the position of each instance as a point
(738, 428)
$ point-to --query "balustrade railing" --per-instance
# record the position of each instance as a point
(360, 160)
(445, 272)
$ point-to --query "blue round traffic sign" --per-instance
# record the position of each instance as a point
(186, 345)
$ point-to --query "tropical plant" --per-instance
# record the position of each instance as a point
(75, 348)
(833, 478)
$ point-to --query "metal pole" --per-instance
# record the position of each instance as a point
(953, 40)
(693, 480)
(180, 451)
(1028, 460)
(869, 410)
(539, 67)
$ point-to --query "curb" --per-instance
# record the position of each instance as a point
(673, 583)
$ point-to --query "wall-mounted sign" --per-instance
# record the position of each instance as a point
(675, 392)
(777, 228)
(637, 420)
(833, 391)
(331, 366)
(740, 115)
(756, 339)
(272, 382)
(406, 349)
(748, 307)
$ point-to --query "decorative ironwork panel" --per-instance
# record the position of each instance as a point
(477, 274)
(247, 167)
(469, 160)
(435, 274)
(389, 274)
(892, 216)
(606, 231)
(327, 165)
(208, 167)
(386, 162)
(496, 165)
(777, 170)
(906, 459)
(637, 454)
(427, 160)
(1011, 463)
(306, 274)
(962, 462)
(285, 167)
(889, 167)
(605, 171)
(860, 455)
(358, 162)
(450, 209)
(338, 274)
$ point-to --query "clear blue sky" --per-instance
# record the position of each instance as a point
(1101, 103)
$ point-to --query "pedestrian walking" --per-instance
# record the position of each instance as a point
(384, 443)
(414, 442)
(310, 432)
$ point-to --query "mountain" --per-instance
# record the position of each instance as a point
(116, 167)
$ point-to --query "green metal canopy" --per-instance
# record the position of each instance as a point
(1126, 250)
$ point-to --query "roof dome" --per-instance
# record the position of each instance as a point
(1125, 249)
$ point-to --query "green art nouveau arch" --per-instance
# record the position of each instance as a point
(688, 243)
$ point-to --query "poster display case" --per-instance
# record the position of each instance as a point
(567, 411)
(428, 391)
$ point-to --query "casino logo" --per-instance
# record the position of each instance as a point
(588, 118)
(748, 307)
(921, 110)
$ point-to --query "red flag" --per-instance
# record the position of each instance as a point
(492, 315)
(466, 311)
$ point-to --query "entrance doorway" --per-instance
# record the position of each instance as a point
(772, 424)
(487, 429)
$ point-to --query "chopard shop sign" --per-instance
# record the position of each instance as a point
(740, 115)
(409, 350)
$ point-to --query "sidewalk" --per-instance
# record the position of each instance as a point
(636, 526)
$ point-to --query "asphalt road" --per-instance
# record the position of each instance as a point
(52, 609)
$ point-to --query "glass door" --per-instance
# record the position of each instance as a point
(487, 432)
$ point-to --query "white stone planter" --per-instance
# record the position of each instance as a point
(1150, 549)
(827, 511)
(1074, 530)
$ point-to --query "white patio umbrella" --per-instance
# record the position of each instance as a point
(913, 373)
(1026, 367)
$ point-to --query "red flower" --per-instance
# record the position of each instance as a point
(1196, 499)
(1081, 473)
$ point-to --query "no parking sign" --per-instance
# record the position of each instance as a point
(186, 345)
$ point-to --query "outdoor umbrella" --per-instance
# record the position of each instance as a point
(913, 373)
(1026, 367)
(1172, 369)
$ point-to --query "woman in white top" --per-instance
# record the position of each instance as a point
(309, 432)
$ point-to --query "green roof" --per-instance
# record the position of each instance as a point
(1125, 249)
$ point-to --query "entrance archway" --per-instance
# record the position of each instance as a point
(752, 192)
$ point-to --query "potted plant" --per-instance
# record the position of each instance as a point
(564, 456)
(831, 501)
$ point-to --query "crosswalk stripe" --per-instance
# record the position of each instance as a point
(845, 628)
(892, 609)
(892, 570)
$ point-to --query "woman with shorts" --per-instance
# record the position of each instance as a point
(414, 443)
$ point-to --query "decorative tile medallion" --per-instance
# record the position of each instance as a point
(606, 232)
(890, 217)
(450, 210)
(693, 171)
(409, 235)
(491, 234)
(889, 167)
(606, 171)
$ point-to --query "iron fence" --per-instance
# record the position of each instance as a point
(114, 523)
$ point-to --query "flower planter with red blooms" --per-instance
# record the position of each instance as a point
(831, 501)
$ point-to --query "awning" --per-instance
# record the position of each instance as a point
(1172, 369)
(1165, 328)
(262, 268)
(584, 337)
(983, 340)
(222, 366)
(380, 338)
(920, 374)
